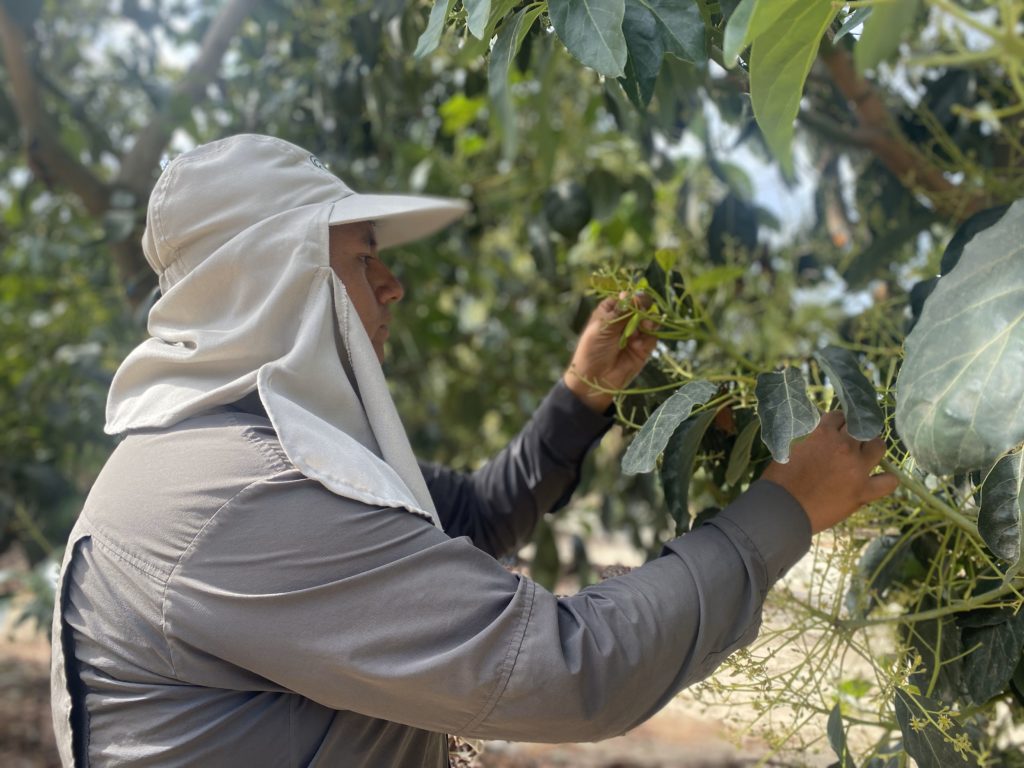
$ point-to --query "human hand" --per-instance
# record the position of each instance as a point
(829, 473)
(600, 360)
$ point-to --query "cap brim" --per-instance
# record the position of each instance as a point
(399, 218)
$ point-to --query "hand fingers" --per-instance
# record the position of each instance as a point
(834, 420)
(879, 485)
(873, 450)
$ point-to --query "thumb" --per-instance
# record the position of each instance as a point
(880, 485)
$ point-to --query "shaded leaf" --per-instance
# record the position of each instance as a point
(592, 31)
(431, 36)
(938, 642)
(989, 668)
(478, 12)
(875, 260)
(784, 409)
(864, 419)
(961, 388)
(739, 459)
(837, 738)
(1002, 508)
(918, 718)
(883, 31)
(545, 566)
(677, 466)
(881, 565)
(780, 58)
(650, 441)
(653, 28)
(499, 64)
(979, 222)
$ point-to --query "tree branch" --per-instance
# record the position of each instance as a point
(46, 156)
(138, 166)
(882, 136)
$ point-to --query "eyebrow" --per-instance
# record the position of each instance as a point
(370, 238)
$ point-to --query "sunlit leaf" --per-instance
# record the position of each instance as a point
(499, 64)
(1002, 508)
(784, 409)
(677, 466)
(781, 55)
(735, 37)
(960, 392)
(864, 419)
(650, 441)
(883, 30)
(592, 31)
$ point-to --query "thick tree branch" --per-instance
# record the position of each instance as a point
(46, 156)
(879, 133)
(138, 166)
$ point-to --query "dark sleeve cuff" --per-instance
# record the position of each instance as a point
(770, 522)
(567, 426)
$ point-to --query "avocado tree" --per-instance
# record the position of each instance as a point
(907, 115)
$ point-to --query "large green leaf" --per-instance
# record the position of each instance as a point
(784, 409)
(677, 466)
(932, 747)
(783, 48)
(1002, 508)
(431, 36)
(478, 12)
(864, 419)
(650, 441)
(592, 31)
(960, 392)
(887, 560)
(510, 38)
(889, 23)
(993, 653)
(938, 643)
(837, 738)
(655, 27)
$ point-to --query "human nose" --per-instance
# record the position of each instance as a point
(390, 287)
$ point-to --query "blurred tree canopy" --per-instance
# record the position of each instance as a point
(568, 171)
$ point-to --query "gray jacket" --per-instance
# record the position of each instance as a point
(218, 608)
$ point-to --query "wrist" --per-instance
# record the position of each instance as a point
(594, 399)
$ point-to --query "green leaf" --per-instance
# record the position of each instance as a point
(715, 277)
(854, 20)
(918, 717)
(592, 31)
(650, 441)
(653, 28)
(677, 466)
(837, 738)
(780, 58)
(739, 459)
(996, 652)
(478, 12)
(666, 258)
(875, 260)
(960, 390)
(499, 65)
(883, 31)
(879, 567)
(784, 409)
(735, 37)
(1002, 509)
(938, 643)
(431, 36)
(864, 419)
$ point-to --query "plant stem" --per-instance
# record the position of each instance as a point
(958, 606)
(927, 499)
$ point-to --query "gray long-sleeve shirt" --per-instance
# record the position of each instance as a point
(218, 608)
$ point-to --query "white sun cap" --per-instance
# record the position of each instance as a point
(211, 194)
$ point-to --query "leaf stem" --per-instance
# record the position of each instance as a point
(927, 499)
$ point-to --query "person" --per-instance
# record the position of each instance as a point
(263, 574)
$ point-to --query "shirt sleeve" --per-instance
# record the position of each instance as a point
(375, 611)
(498, 505)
